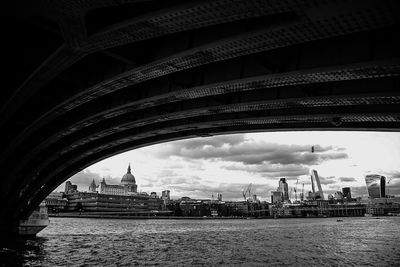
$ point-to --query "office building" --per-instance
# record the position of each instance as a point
(314, 175)
(346, 192)
(375, 185)
(284, 189)
(165, 196)
(276, 197)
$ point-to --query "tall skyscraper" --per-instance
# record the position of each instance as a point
(165, 196)
(284, 188)
(314, 174)
(68, 185)
(376, 185)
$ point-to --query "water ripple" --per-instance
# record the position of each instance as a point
(291, 242)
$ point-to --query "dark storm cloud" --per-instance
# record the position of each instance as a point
(347, 179)
(215, 141)
(249, 152)
(272, 171)
(176, 148)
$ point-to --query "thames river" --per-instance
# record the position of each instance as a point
(254, 242)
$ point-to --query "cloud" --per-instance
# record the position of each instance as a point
(394, 175)
(393, 188)
(84, 176)
(167, 173)
(83, 179)
(178, 181)
(174, 148)
(359, 191)
(147, 185)
(326, 180)
(235, 148)
(271, 171)
(347, 179)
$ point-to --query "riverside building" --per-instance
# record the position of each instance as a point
(127, 187)
(104, 198)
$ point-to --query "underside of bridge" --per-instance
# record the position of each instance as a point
(85, 80)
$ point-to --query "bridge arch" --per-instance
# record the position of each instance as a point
(180, 70)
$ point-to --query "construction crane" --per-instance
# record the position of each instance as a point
(388, 182)
(247, 191)
(295, 189)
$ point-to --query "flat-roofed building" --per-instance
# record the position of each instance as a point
(346, 192)
(276, 196)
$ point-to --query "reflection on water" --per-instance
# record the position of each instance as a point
(313, 242)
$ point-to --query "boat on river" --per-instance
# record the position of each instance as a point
(38, 220)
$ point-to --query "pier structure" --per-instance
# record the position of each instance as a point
(318, 209)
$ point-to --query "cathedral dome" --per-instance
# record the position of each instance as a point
(128, 178)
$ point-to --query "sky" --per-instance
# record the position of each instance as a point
(227, 164)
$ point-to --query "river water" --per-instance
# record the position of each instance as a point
(255, 242)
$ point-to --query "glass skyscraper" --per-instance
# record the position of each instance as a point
(375, 185)
(284, 188)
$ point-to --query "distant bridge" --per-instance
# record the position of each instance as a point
(89, 79)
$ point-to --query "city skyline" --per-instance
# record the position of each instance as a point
(226, 164)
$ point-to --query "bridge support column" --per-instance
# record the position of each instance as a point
(8, 230)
